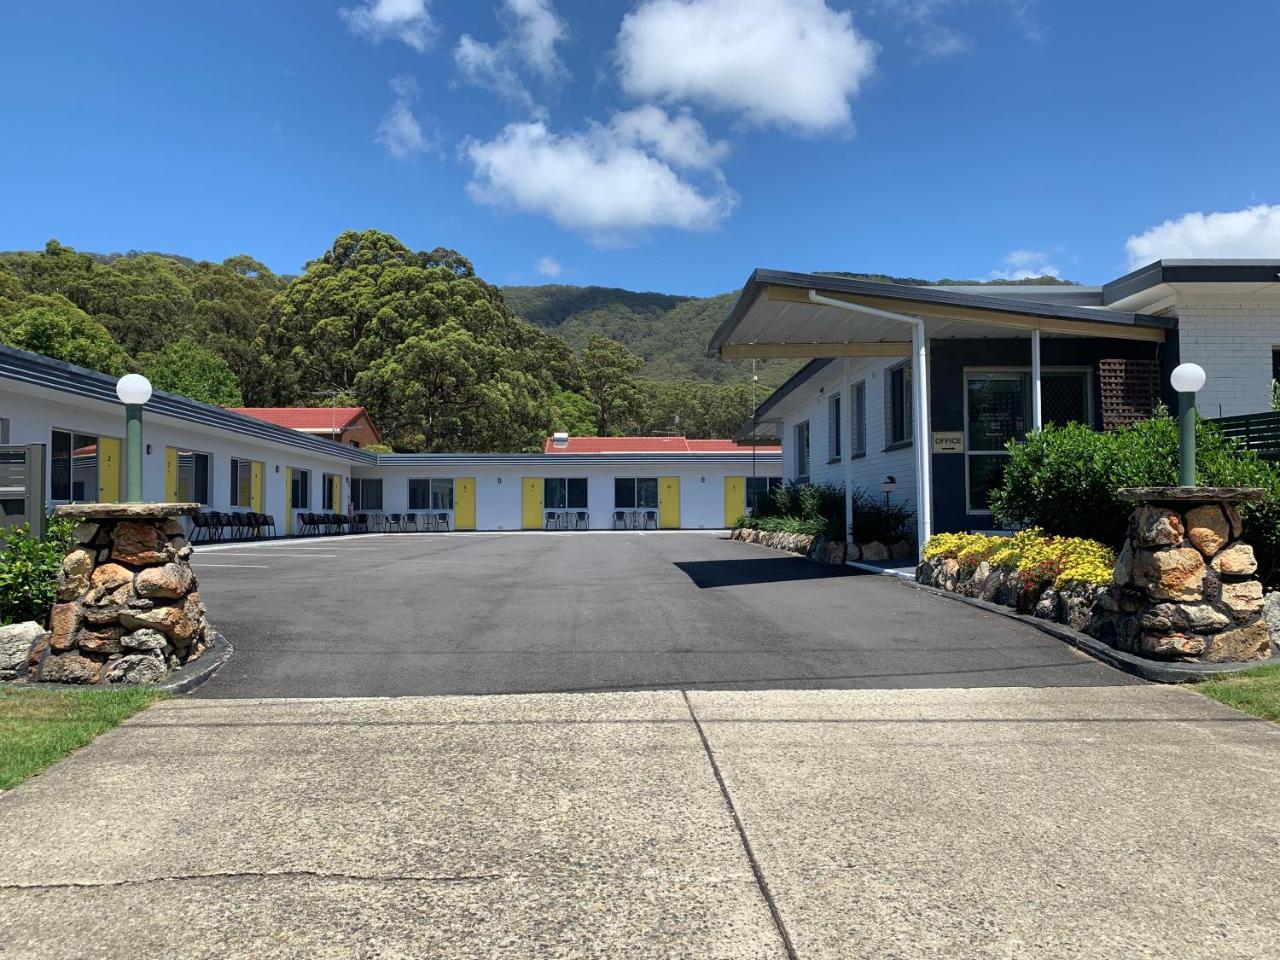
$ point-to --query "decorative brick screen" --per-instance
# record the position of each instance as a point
(1130, 390)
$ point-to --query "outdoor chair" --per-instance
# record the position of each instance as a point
(582, 520)
(239, 526)
(442, 522)
(309, 524)
(200, 525)
(269, 523)
(651, 519)
(393, 521)
(360, 524)
(221, 524)
(552, 521)
(620, 517)
(409, 522)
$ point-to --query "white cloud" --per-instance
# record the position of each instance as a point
(400, 132)
(1241, 234)
(607, 181)
(679, 140)
(407, 20)
(933, 38)
(1025, 265)
(790, 63)
(533, 30)
(549, 267)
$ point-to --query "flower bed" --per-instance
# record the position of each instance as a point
(1054, 578)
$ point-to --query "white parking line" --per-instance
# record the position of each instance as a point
(247, 566)
(261, 554)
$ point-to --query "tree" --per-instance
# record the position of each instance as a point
(573, 413)
(55, 327)
(608, 375)
(192, 370)
(429, 348)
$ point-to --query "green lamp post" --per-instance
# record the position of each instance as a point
(134, 390)
(1187, 379)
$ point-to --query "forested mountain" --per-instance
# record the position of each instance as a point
(442, 359)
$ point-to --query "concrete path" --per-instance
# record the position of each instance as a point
(1107, 822)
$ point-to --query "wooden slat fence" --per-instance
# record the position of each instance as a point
(1260, 432)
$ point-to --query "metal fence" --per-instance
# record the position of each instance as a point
(1259, 432)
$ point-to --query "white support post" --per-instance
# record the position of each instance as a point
(1037, 415)
(846, 444)
(922, 439)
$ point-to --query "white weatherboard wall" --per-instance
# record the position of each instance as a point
(1233, 342)
(499, 488)
(35, 412)
(868, 472)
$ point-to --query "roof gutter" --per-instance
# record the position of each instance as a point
(920, 402)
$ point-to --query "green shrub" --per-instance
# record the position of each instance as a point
(1064, 480)
(818, 509)
(29, 571)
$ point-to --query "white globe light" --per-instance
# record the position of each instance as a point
(1187, 378)
(133, 388)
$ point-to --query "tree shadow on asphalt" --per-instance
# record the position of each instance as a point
(737, 573)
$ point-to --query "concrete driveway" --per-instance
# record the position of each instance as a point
(534, 613)
(830, 767)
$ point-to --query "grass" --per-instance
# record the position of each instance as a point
(39, 727)
(1253, 691)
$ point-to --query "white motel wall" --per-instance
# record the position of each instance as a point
(39, 397)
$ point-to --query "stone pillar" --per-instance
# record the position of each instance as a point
(1184, 584)
(127, 609)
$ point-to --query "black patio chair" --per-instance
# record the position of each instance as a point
(442, 522)
(360, 523)
(269, 523)
(393, 521)
(200, 525)
(619, 517)
(651, 519)
(409, 522)
(309, 524)
(552, 521)
(582, 520)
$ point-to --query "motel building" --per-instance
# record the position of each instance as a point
(916, 391)
(288, 465)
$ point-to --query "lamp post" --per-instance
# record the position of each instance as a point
(134, 390)
(1187, 379)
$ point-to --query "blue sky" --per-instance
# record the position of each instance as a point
(665, 145)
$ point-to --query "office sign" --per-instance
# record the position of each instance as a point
(948, 441)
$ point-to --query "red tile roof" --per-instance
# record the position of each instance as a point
(304, 418)
(641, 445)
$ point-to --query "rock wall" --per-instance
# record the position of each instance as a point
(1185, 587)
(1072, 606)
(128, 608)
(834, 552)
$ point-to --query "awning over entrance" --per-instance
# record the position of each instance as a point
(774, 317)
(813, 316)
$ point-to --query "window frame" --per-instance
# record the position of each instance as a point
(1086, 376)
(71, 464)
(858, 420)
(565, 483)
(907, 438)
(752, 483)
(234, 498)
(360, 488)
(296, 484)
(803, 452)
(835, 428)
(634, 483)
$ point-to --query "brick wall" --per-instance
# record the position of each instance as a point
(1233, 342)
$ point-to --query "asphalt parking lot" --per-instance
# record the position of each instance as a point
(411, 614)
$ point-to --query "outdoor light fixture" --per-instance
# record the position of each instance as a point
(134, 390)
(890, 484)
(1187, 379)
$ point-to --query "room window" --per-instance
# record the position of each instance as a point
(4, 429)
(635, 493)
(326, 492)
(834, 429)
(561, 493)
(300, 489)
(759, 488)
(193, 477)
(73, 466)
(897, 405)
(429, 494)
(241, 482)
(801, 434)
(366, 494)
(998, 412)
(858, 420)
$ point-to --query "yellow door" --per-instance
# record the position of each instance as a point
(255, 488)
(337, 494)
(531, 503)
(669, 503)
(735, 499)
(288, 500)
(464, 503)
(108, 470)
(171, 474)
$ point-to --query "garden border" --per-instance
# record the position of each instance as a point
(1157, 671)
(183, 680)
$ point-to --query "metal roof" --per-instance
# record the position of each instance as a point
(1261, 272)
(773, 317)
